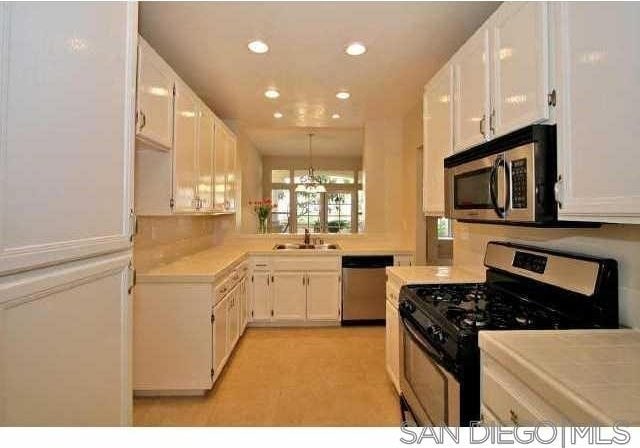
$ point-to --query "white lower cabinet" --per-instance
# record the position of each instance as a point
(261, 296)
(219, 336)
(289, 296)
(392, 335)
(323, 295)
(296, 290)
(185, 333)
(65, 345)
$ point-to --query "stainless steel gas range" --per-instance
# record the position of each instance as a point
(526, 288)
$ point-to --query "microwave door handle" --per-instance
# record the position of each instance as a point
(493, 186)
(507, 187)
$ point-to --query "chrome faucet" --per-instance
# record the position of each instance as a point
(307, 237)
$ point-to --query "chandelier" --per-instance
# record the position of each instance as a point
(310, 183)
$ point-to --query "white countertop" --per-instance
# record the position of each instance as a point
(212, 264)
(423, 275)
(590, 375)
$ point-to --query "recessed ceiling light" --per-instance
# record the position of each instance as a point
(257, 46)
(335, 116)
(355, 49)
(271, 93)
(343, 95)
(277, 115)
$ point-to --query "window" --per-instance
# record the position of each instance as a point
(280, 215)
(444, 228)
(339, 210)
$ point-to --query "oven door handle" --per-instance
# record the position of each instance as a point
(493, 186)
(424, 344)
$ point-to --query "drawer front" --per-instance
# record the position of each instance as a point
(261, 263)
(512, 402)
(298, 263)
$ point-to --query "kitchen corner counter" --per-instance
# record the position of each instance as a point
(423, 275)
(593, 376)
(210, 265)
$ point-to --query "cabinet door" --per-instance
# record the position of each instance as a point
(184, 170)
(289, 296)
(471, 74)
(244, 305)
(67, 131)
(261, 296)
(438, 139)
(392, 343)
(324, 296)
(65, 334)
(598, 126)
(520, 45)
(230, 177)
(220, 345)
(155, 98)
(220, 166)
(233, 318)
(205, 159)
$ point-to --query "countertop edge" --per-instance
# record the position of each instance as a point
(538, 379)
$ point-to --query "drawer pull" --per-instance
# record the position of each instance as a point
(513, 417)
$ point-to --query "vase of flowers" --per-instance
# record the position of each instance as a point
(262, 209)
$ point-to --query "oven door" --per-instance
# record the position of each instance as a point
(478, 189)
(430, 391)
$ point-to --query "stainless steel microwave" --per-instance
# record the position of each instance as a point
(507, 180)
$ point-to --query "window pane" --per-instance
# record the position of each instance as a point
(327, 176)
(444, 228)
(336, 176)
(339, 212)
(308, 209)
(280, 176)
(361, 208)
(280, 214)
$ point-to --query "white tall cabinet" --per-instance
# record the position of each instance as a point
(598, 66)
(67, 130)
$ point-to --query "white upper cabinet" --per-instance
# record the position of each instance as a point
(184, 169)
(520, 52)
(205, 159)
(154, 120)
(438, 138)
(501, 75)
(67, 131)
(230, 178)
(225, 166)
(472, 102)
(598, 63)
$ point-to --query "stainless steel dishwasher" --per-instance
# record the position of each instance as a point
(364, 289)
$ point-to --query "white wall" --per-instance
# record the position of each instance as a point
(382, 163)
(620, 242)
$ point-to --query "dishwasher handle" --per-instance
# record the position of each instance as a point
(367, 261)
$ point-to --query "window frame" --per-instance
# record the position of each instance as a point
(351, 188)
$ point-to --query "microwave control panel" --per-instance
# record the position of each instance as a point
(519, 183)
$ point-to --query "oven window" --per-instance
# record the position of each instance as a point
(427, 381)
(471, 190)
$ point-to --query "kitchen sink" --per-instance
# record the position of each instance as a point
(296, 246)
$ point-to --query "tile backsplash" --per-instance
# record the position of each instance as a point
(620, 242)
(163, 239)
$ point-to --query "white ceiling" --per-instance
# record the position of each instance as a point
(292, 141)
(206, 43)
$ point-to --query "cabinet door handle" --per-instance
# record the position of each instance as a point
(482, 120)
(143, 120)
(491, 120)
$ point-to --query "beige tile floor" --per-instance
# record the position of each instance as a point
(290, 377)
